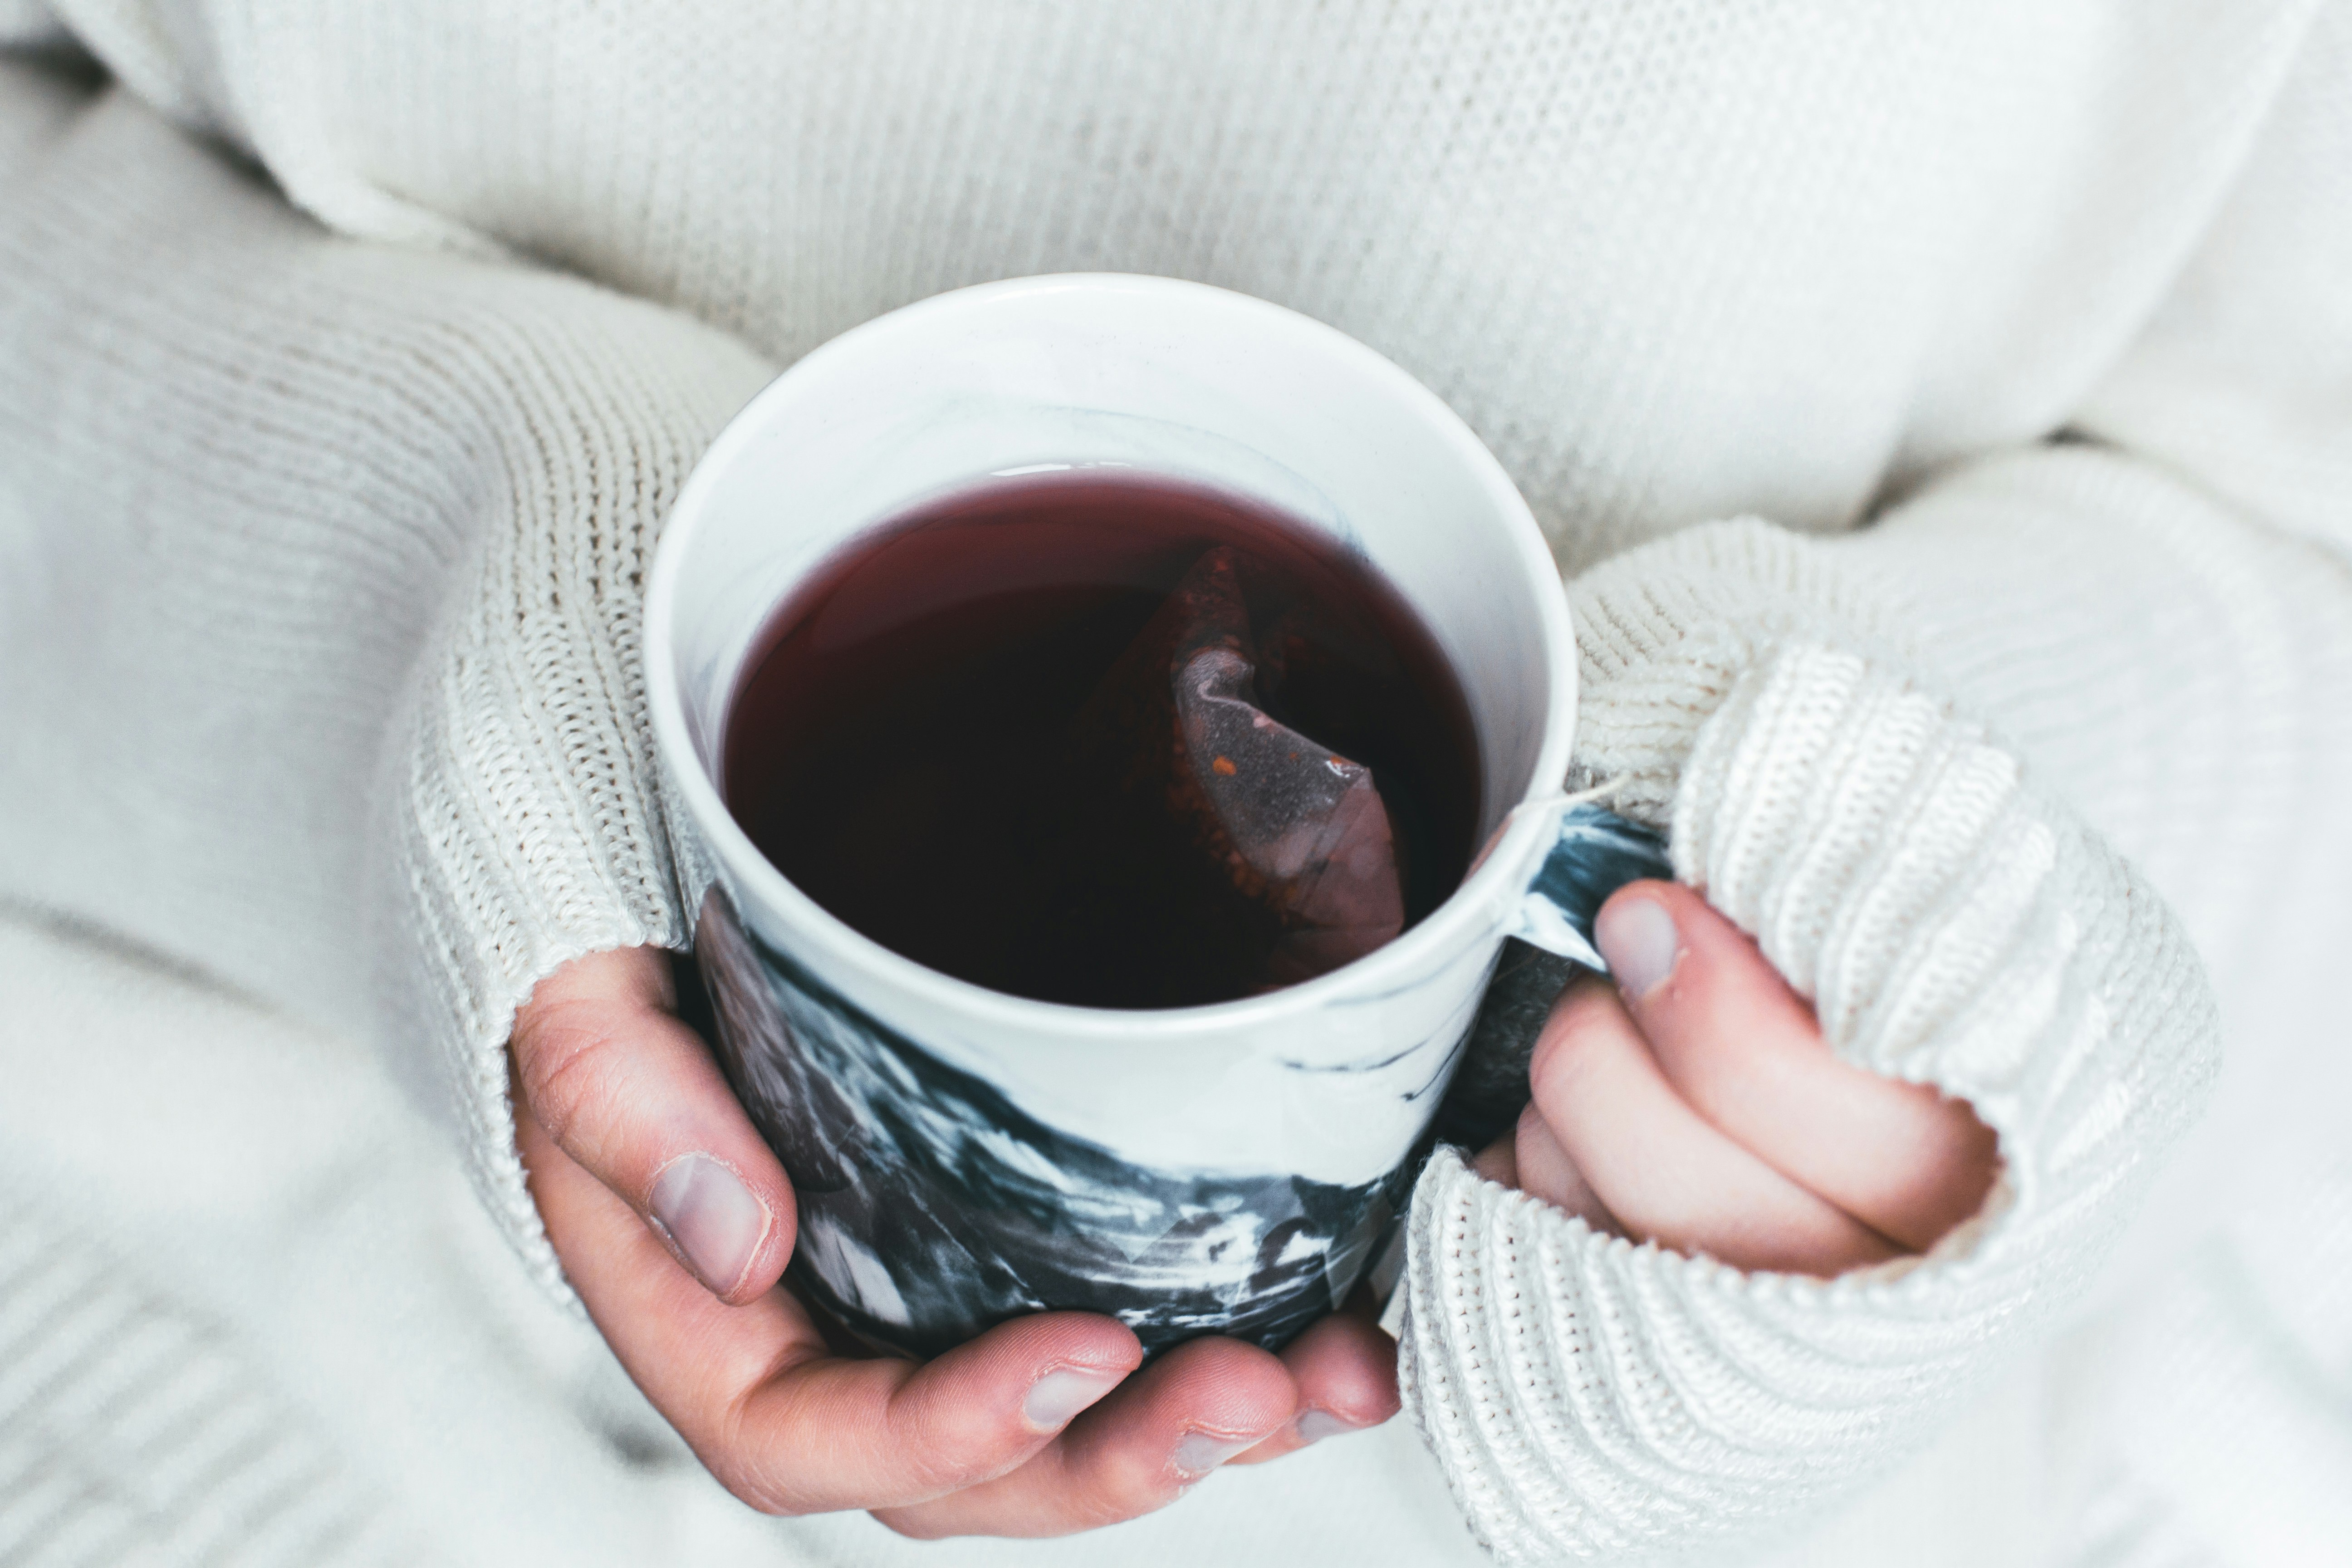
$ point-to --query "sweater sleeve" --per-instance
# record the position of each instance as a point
(327, 557)
(27, 24)
(1993, 781)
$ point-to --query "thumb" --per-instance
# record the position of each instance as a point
(604, 1064)
(1745, 1051)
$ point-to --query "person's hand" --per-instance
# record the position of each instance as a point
(1694, 1103)
(674, 1222)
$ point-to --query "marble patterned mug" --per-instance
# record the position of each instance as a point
(960, 1156)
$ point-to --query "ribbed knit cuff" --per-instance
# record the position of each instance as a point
(1588, 1397)
(525, 825)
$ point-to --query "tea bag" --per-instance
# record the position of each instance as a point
(1296, 835)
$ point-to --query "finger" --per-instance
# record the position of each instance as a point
(1499, 1162)
(783, 1423)
(632, 1095)
(1744, 1050)
(1546, 1172)
(1202, 1403)
(1344, 1368)
(1660, 1168)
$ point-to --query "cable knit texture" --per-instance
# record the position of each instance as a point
(354, 352)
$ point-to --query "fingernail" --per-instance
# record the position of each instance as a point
(1637, 937)
(710, 1218)
(1317, 1425)
(1202, 1452)
(1057, 1397)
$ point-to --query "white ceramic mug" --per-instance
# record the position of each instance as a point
(960, 1155)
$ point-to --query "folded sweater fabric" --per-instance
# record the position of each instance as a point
(325, 544)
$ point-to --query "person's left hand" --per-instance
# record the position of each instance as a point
(1695, 1103)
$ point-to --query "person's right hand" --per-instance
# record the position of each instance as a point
(674, 1222)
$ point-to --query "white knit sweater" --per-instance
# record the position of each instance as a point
(327, 486)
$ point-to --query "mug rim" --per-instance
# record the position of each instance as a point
(1484, 897)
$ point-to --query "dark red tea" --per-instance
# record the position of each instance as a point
(902, 747)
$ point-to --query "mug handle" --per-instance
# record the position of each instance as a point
(1594, 853)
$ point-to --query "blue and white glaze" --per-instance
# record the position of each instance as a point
(1596, 853)
(964, 1155)
(931, 1206)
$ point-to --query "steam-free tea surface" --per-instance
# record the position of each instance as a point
(920, 744)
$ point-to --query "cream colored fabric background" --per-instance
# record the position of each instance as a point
(320, 539)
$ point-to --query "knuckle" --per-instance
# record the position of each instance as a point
(752, 1485)
(1587, 1008)
(761, 1498)
(1114, 1488)
(1588, 999)
(915, 1524)
(568, 1060)
(1544, 1066)
(947, 1450)
(1131, 1495)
